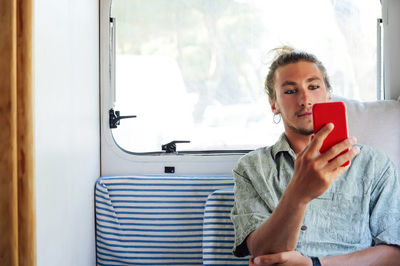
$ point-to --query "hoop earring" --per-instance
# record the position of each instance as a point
(277, 120)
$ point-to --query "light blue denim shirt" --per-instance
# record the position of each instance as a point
(359, 210)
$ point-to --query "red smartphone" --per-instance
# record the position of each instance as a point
(331, 112)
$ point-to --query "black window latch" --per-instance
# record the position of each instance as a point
(115, 118)
(171, 146)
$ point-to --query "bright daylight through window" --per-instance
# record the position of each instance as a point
(194, 70)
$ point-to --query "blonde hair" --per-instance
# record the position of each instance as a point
(285, 55)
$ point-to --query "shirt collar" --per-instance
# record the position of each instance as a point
(282, 145)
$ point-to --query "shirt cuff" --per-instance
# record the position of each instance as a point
(244, 224)
(391, 236)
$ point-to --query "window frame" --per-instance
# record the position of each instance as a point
(107, 70)
(116, 160)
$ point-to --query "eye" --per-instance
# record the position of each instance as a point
(291, 91)
(313, 87)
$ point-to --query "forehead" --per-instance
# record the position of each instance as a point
(296, 72)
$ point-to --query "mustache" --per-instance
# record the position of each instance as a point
(302, 111)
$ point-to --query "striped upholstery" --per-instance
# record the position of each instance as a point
(218, 234)
(154, 220)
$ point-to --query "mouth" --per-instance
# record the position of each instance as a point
(305, 114)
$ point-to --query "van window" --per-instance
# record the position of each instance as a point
(194, 70)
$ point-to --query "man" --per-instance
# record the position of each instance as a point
(296, 206)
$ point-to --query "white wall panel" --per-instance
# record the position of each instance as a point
(67, 140)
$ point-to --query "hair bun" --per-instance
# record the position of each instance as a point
(278, 51)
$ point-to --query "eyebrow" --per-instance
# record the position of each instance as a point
(288, 82)
(313, 78)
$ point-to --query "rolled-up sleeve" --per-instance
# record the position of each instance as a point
(248, 213)
(385, 208)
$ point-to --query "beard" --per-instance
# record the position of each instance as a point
(302, 131)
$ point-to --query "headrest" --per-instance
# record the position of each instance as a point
(376, 124)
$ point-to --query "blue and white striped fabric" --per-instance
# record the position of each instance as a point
(153, 220)
(218, 232)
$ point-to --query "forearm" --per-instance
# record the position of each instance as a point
(380, 256)
(281, 231)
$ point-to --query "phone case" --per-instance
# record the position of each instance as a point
(331, 112)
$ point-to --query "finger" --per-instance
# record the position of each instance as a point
(341, 159)
(311, 138)
(251, 262)
(320, 136)
(336, 149)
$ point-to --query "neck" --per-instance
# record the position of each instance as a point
(297, 141)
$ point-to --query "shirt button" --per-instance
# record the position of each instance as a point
(303, 228)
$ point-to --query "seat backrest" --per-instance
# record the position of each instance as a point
(153, 220)
(218, 231)
(376, 124)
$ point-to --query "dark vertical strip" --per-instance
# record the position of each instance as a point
(8, 136)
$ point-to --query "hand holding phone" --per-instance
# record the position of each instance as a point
(331, 112)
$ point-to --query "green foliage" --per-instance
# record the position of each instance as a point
(211, 40)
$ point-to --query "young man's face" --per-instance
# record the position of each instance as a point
(298, 87)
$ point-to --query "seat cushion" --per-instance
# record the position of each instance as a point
(152, 220)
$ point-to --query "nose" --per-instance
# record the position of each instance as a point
(304, 98)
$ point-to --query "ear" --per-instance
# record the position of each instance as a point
(274, 106)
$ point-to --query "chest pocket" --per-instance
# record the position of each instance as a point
(338, 218)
